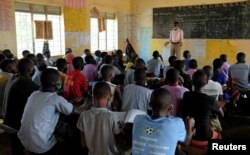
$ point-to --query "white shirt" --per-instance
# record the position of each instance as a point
(129, 77)
(176, 36)
(39, 120)
(213, 88)
(99, 127)
(136, 97)
(154, 66)
(36, 78)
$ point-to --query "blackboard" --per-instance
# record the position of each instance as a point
(217, 21)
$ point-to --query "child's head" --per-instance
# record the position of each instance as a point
(209, 71)
(217, 64)
(9, 66)
(50, 79)
(89, 59)
(101, 94)
(172, 60)
(179, 65)
(187, 54)
(161, 103)
(193, 64)
(78, 63)
(8, 54)
(108, 59)
(104, 54)
(140, 76)
(41, 64)
(61, 65)
(25, 53)
(39, 56)
(119, 53)
(107, 72)
(156, 54)
(32, 57)
(87, 52)
(26, 67)
(98, 53)
(172, 76)
(68, 50)
(140, 63)
(241, 57)
(199, 79)
(223, 57)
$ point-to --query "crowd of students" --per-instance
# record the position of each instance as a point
(65, 106)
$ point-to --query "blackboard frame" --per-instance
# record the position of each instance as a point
(213, 21)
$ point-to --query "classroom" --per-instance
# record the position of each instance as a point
(104, 77)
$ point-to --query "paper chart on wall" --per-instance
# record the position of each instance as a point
(6, 16)
(78, 39)
(144, 42)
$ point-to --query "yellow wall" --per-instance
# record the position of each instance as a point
(215, 47)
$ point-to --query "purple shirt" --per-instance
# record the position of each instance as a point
(225, 68)
(90, 72)
(177, 94)
(191, 72)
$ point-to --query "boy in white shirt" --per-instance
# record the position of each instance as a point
(41, 115)
(99, 127)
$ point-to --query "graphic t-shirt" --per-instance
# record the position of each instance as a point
(157, 136)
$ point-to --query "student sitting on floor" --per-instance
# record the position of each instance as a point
(75, 84)
(201, 106)
(137, 95)
(159, 133)
(177, 91)
(108, 73)
(99, 127)
(41, 115)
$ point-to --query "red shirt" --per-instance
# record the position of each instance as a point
(75, 85)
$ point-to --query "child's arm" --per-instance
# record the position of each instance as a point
(83, 141)
(189, 124)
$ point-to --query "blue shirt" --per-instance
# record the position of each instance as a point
(220, 77)
(157, 136)
(186, 64)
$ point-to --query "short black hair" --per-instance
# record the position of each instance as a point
(25, 52)
(86, 50)
(98, 53)
(241, 57)
(78, 63)
(89, 59)
(119, 53)
(172, 60)
(179, 65)
(160, 99)
(156, 54)
(186, 54)
(101, 90)
(208, 70)
(5, 64)
(49, 77)
(39, 56)
(104, 54)
(8, 54)
(139, 62)
(24, 64)
(68, 50)
(223, 57)
(106, 71)
(199, 79)
(217, 63)
(108, 59)
(60, 63)
(172, 76)
(140, 75)
(2, 58)
(193, 64)
(176, 23)
(32, 57)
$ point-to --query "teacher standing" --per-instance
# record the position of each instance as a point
(176, 39)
